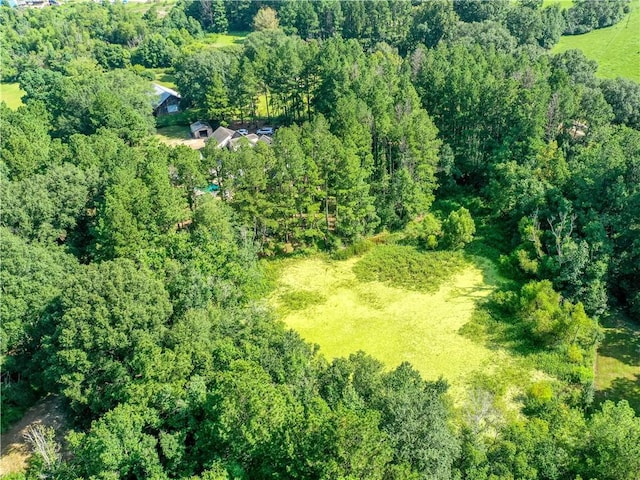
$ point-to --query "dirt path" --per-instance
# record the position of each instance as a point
(14, 452)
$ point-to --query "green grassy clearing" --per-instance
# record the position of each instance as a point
(176, 132)
(326, 303)
(615, 48)
(141, 6)
(164, 77)
(618, 362)
(11, 94)
(564, 4)
(219, 40)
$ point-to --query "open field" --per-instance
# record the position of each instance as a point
(616, 48)
(219, 40)
(564, 4)
(326, 303)
(141, 6)
(618, 362)
(11, 94)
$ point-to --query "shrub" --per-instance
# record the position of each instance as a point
(458, 229)
(424, 231)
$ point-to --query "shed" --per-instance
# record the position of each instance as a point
(201, 130)
(166, 101)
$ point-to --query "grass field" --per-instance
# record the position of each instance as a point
(618, 362)
(219, 40)
(11, 94)
(616, 48)
(326, 303)
(141, 6)
(564, 4)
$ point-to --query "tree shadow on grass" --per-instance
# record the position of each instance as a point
(621, 341)
(621, 389)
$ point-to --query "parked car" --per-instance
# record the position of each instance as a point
(243, 131)
(265, 131)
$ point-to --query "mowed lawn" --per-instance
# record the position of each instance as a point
(616, 48)
(11, 94)
(325, 303)
(618, 362)
(564, 4)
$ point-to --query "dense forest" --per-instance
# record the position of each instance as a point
(140, 301)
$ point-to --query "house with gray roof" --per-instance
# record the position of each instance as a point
(166, 101)
(222, 136)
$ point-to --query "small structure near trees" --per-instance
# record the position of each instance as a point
(225, 137)
(201, 130)
(166, 102)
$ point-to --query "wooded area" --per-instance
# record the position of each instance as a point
(444, 126)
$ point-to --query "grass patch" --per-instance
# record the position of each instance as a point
(164, 77)
(177, 132)
(220, 40)
(300, 299)
(618, 361)
(344, 314)
(406, 267)
(11, 94)
(141, 6)
(184, 118)
(615, 48)
(564, 4)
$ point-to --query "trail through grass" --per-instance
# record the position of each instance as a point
(615, 48)
(327, 304)
(11, 94)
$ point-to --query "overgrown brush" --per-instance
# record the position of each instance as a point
(406, 267)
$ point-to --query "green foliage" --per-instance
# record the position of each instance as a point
(406, 267)
(47, 207)
(357, 248)
(585, 16)
(32, 275)
(598, 45)
(612, 451)
(458, 229)
(300, 300)
(104, 333)
(551, 320)
(140, 302)
(25, 141)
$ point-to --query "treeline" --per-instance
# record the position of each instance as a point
(117, 38)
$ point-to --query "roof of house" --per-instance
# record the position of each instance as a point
(222, 135)
(162, 93)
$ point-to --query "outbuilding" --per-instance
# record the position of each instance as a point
(200, 130)
(166, 101)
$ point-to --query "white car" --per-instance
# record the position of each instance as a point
(243, 131)
(265, 131)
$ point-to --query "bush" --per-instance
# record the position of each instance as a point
(424, 231)
(300, 300)
(458, 229)
(357, 248)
